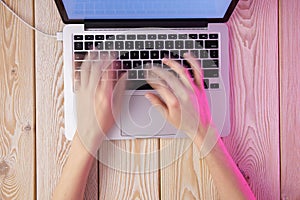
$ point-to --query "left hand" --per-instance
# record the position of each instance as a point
(95, 99)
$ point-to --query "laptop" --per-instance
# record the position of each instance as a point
(139, 33)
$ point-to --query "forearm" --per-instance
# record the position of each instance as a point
(75, 173)
(227, 178)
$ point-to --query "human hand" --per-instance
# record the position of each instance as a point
(98, 101)
(182, 100)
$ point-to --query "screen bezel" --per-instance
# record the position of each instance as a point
(146, 22)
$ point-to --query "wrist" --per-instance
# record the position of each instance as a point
(206, 140)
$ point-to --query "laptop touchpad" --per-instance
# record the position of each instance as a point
(140, 119)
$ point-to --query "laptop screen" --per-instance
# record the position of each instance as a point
(145, 9)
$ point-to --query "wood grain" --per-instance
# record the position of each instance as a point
(52, 146)
(17, 135)
(129, 169)
(254, 139)
(182, 175)
(290, 98)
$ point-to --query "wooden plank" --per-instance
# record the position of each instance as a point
(289, 98)
(254, 140)
(129, 169)
(183, 176)
(17, 133)
(52, 146)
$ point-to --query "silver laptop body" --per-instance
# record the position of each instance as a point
(138, 118)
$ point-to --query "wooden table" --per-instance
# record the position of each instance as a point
(265, 92)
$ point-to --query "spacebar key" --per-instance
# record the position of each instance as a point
(137, 85)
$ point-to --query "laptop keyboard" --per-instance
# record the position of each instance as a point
(137, 53)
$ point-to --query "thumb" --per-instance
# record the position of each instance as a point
(158, 103)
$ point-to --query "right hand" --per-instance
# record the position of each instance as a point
(182, 100)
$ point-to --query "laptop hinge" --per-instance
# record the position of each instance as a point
(191, 23)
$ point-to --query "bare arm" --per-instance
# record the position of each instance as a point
(75, 173)
(95, 118)
(184, 104)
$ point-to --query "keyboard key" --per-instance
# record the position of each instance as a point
(174, 54)
(211, 73)
(210, 64)
(159, 44)
(110, 37)
(154, 54)
(119, 45)
(189, 44)
(124, 55)
(162, 36)
(114, 54)
(203, 54)
(213, 36)
(127, 64)
(193, 36)
(78, 37)
(206, 83)
(132, 74)
(214, 53)
(182, 36)
(99, 45)
(211, 44)
(131, 37)
(117, 64)
(182, 52)
(199, 44)
(157, 63)
(139, 44)
(141, 37)
(214, 85)
(89, 37)
(129, 45)
(134, 55)
(121, 72)
(99, 37)
(149, 44)
(151, 37)
(144, 54)
(142, 74)
(94, 55)
(164, 54)
(172, 36)
(203, 36)
(169, 44)
(186, 64)
(147, 64)
(120, 37)
(104, 55)
(78, 45)
(195, 53)
(88, 45)
(109, 45)
(80, 55)
(137, 64)
(179, 44)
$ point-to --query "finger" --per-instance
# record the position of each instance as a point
(172, 81)
(180, 70)
(95, 73)
(158, 103)
(117, 95)
(196, 66)
(164, 91)
(85, 73)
